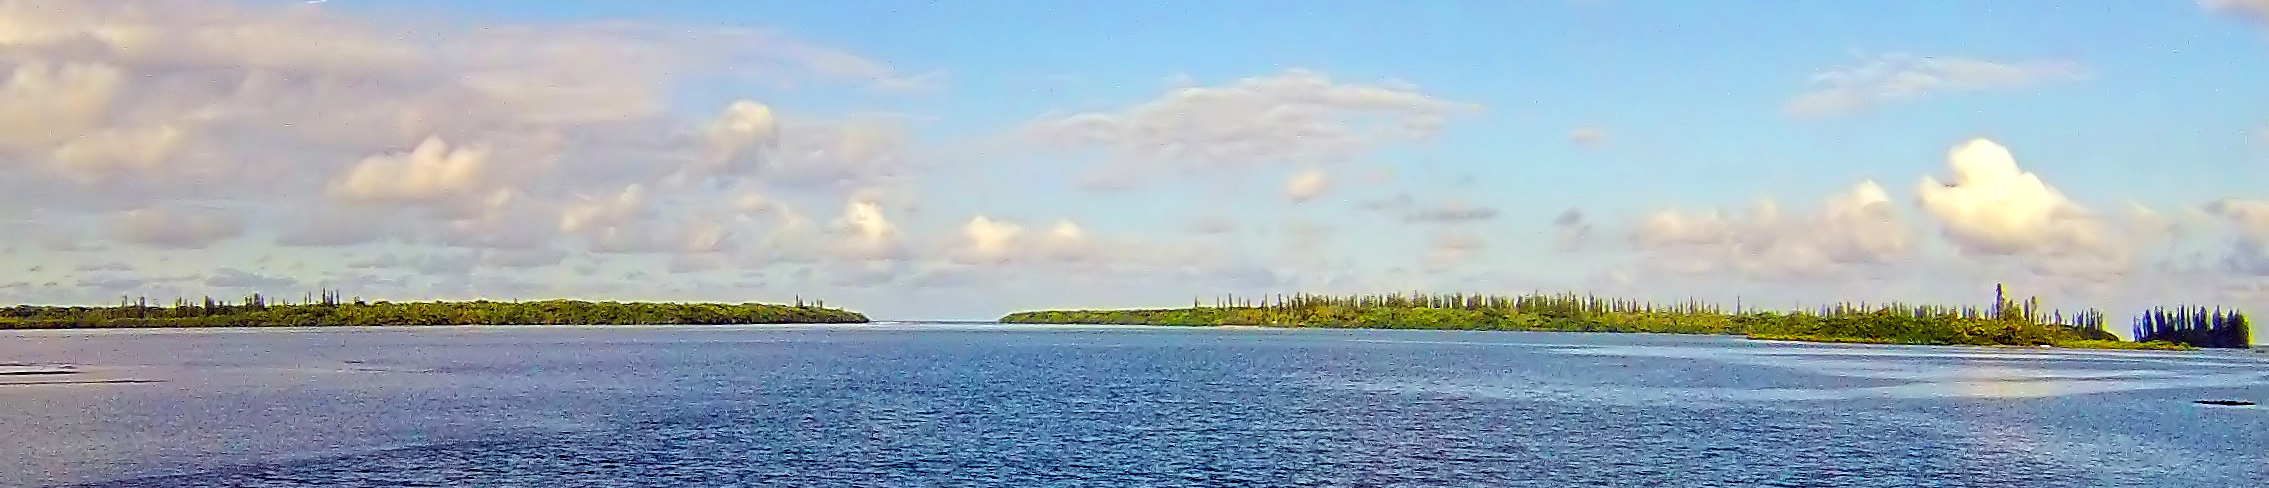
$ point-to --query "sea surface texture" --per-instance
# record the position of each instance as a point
(992, 405)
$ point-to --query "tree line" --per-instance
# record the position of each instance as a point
(2003, 322)
(332, 309)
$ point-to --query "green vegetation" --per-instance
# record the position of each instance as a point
(330, 310)
(2195, 327)
(2004, 323)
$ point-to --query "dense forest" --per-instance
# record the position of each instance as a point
(2195, 326)
(2006, 322)
(331, 310)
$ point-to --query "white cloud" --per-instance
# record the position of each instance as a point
(149, 101)
(1293, 117)
(704, 236)
(869, 234)
(1306, 185)
(2253, 10)
(745, 126)
(104, 154)
(431, 172)
(1992, 207)
(988, 241)
(504, 219)
(1899, 76)
(604, 213)
(752, 204)
(1859, 227)
(854, 152)
(46, 103)
(178, 229)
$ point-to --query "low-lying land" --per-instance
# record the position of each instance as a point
(2005, 323)
(330, 311)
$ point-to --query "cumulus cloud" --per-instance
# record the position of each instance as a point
(703, 236)
(176, 228)
(1858, 227)
(854, 152)
(745, 126)
(601, 213)
(1306, 185)
(1992, 207)
(1991, 213)
(115, 152)
(988, 241)
(1293, 117)
(433, 171)
(868, 234)
(1899, 76)
(45, 103)
(263, 78)
(455, 134)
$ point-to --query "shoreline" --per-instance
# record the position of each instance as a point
(254, 312)
(1853, 341)
(2005, 323)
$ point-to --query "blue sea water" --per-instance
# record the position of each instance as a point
(1000, 405)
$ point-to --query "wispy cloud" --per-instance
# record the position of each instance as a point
(2253, 10)
(1293, 117)
(1590, 137)
(1899, 77)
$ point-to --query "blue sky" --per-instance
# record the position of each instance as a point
(964, 159)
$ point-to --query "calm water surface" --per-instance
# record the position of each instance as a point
(990, 405)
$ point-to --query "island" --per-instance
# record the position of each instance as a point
(333, 310)
(2005, 323)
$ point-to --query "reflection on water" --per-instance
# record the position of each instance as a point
(1942, 372)
(991, 405)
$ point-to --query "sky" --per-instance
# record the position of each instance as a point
(961, 160)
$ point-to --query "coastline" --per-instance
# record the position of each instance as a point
(2073, 344)
(256, 313)
(2005, 323)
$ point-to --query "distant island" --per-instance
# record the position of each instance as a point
(2007, 322)
(331, 310)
